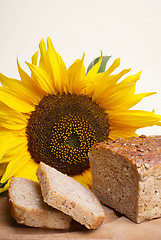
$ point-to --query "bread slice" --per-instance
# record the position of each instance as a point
(28, 208)
(127, 176)
(64, 193)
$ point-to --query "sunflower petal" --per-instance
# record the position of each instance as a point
(2, 168)
(24, 76)
(115, 65)
(35, 58)
(116, 97)
(14, 102)
(58, 66)
(130, 79)
(85, 178)
(93, 71)
(122, 133)
(13, 167)
(43, 78)
(8, 140)
(121, 96)
(11, 119)
(11, 115)
(44, 59)
(119, 75)
(76, 77)
(18, 88)
(20, 168)
(15, 151)
(36, 85)
(23, 172)
(26, 171)
(105, 84)
(31, 83)
(133, 119)
(11, 125)
(136, 98)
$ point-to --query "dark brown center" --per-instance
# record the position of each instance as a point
(62, 129)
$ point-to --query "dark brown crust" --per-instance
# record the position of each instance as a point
(142, 152)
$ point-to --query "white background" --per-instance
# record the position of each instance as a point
(121, 28)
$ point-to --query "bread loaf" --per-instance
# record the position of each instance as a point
(28, 207)
(67, 195)
(127, 176)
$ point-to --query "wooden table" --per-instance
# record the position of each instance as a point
(115, 226)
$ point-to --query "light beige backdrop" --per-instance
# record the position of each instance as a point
(121, 28)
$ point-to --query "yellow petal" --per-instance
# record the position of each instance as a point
(44, 59)
(8, 140)
(3, 168)
(11, 125)
(133, 119)
(31, 83)
(76, 77)
(14, 102)
(22, 168)
(122, 133)
(92, 83)
(24, 76)
(130, 79)
(105, 84)
(18, 88)
(15, 151)
(85, 178)
(110, 95)
(136, 98)
(15, 166)
(10, 116)
(93, 71)
(29, 171)
(12, 120)
(116, 97)
(99, 86)
(58, 66)
(13, 116)
(35, 58)
(115, 65)
(43, 78)
(119, 75)
(120, 97)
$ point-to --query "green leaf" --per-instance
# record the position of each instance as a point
(2, 184)
(3, 193)
(103, 64)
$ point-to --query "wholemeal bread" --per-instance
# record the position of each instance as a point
(27, 206)
(127, 176)
(67, 195)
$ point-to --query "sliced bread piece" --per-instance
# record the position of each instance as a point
(28, 207)
(64, 193)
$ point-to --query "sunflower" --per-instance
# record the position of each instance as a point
(56, 115)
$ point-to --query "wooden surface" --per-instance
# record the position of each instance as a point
(115, 227)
